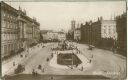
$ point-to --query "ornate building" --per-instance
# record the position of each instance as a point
(17, 30)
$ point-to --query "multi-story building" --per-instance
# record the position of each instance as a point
(77, 34)
(108, 29)
(108, 33)
(71, 31)
(52, 35)
(49, 35)
(101, 33)
(9, 29)
(87, 33)
(122, 33)
(17, 30)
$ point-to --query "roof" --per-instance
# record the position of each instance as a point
(6, 6)
(61, 32)
(77, 29)
(108, 21)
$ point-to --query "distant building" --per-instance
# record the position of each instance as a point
(52, 35)
(61, 36)
(73, 24)
(108, 29)
(77, 34)
(47, 34)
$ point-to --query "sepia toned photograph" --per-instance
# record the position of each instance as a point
(63, 40)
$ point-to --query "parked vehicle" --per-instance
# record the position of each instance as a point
(20, 68)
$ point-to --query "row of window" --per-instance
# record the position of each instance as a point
(8, 24)
(9, 37)
(9, 16)
(110, 26)
(109, 31)
(6, 49)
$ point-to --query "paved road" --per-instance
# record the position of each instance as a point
(103, 62)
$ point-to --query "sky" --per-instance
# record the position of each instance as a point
(58, 15)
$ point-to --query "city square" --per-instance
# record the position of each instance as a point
(32, 49)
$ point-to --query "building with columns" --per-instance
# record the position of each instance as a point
(17, 30)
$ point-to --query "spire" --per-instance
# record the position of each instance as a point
(20, 8)
(101, 18)
(98, 19)
(114, 16)
(24, 11)
(111, 17)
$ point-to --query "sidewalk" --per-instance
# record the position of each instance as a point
(7, 66)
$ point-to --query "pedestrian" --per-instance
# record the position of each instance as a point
(52, 78)
(36, 73)
(21, 55)
(33, 72)
(92, 55)
(47, 59)
(90, 61)
(42, 70)
(13, 63)
(39, 67)
(82, 68)
(26, 55)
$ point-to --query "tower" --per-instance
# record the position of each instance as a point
(73, 25)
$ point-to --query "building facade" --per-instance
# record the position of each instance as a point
(9, 29)
(73, 24)
(61, 36)
(77, 34)
(121, 26)
(108, 29)
(17, 30)
(52, 36)
(101, 33)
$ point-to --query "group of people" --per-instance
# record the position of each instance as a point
(35, 72)
(24, 54)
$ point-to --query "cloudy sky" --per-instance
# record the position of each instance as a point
(58, 15)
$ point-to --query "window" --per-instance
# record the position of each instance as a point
(5, 49)
(4, 14)
(7, 24)
(109, 31)
(3, 23)
(104, 31)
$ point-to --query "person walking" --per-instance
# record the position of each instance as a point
(33, 72)
(40, 67)
(13, 63)
(42, 70)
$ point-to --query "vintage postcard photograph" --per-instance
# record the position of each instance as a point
(63, 40)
